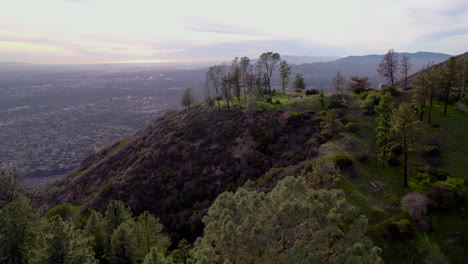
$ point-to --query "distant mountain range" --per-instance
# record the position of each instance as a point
(319, 74)
(291, 59)
(317, 71)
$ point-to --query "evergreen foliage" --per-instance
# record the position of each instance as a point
(359, 84)
(62, 243)
(16, 231)
(384, 118)
(403, 130)
(299, 84)
(290, 224)
(156, 257)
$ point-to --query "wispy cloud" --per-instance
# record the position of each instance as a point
(221, 28)
(150, 29)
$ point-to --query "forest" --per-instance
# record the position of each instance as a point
(255, 174)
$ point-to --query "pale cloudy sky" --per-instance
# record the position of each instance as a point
(92, 31)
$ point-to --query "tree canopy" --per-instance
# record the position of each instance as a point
(290, 224)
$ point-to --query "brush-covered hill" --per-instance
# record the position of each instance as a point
(177, 165)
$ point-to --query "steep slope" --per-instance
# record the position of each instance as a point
(176, 166)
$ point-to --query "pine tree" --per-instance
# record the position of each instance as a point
(16, 233)
(94, 228)
(290, 224)
(148, 231)
(330, 125)
(124, 244)
(63, 244)
(403, 130)
(299, 84)
(322, 100)
(116, 214)
(156, 257)
(384, 118)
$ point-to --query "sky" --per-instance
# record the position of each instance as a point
(103, 31)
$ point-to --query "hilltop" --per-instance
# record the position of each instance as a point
(181, 162)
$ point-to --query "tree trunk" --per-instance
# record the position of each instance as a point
(269, 91)
(447, 93)
(217, 98)
(405, 163)
(421, 115)
(430, 110)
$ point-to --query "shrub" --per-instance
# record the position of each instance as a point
(391, 89)
(416, 205)
(66, 211)
(335, 104)
(367, 106)
(431, 151)
(351, 127)
(312, 92)
(363, 95)
(295, 119)
(342, 161)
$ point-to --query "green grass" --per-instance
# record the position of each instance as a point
(451, 131)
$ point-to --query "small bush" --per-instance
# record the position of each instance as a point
(342, 161)
(367, 106)
(416, 205)
(312, 92)
(295, 119)
(363, 95)
(335, 104)
(391, 89)
(277, 102)
(352, 127)
(431, 151)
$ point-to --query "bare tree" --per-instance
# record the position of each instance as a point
(235, 78)
(268, 60)
(404, 70)
(338, 84)
(213, 80)
(187, 98)
(285, 71)
(388, 66)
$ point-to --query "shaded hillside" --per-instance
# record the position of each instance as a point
(320, 74)
(177, 165)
